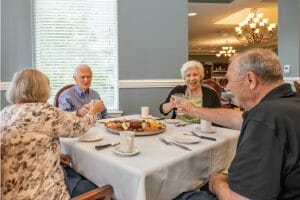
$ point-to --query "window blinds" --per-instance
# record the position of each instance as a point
(71, 32)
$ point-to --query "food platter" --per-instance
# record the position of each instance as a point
(138, 133)
(145, 127)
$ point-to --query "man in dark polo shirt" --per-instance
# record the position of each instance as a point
(267, 160)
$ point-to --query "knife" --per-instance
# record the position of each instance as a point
(102, 146)
(203, 137)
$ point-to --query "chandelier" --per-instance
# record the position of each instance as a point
(255, 28)
(227, 51)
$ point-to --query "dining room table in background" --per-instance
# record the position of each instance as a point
(158, 171)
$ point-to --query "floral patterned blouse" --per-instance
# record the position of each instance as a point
(30, 150)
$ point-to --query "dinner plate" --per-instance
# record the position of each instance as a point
(186, 139)
(172, 121)
(117, 150)
(145, 133)
(212, 130)
(90, 137)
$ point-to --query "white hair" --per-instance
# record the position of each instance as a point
(192, 64)
(78, 69)
(263, 62)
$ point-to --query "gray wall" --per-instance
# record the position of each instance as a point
(152, 45)
(289, 35)
(15, 39)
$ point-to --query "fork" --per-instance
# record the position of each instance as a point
(173, 143)
(103, 146)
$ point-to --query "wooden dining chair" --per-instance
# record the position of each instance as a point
(212, 85)
(297, 86)
(58, 93)
(101, 193)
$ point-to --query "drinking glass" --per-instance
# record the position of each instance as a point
(179, 99)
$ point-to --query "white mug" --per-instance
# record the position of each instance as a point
(144, 112)
(127, 141)
(205, 125)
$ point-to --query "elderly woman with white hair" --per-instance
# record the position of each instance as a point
(30, 131)
(193, 73)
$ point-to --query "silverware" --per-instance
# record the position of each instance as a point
(103, 146)
(203, 137)
(173, 143)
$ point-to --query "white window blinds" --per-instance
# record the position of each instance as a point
(72, 32)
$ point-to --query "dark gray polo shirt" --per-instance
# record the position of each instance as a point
(267, 160)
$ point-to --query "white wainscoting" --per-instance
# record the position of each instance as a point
(143, 83)
(151, 83)
(126, 84)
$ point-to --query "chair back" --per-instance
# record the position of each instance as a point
(58, 93)
(101, 193)
(297, 86)
(212, 85)
(223, 82)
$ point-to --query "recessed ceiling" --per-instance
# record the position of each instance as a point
(213, 26)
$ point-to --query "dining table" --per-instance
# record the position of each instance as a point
(157, 171)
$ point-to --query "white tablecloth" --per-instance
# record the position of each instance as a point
(159, 171)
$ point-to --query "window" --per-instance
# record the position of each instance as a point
(70, 32)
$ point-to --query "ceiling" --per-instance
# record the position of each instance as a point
(206, 37)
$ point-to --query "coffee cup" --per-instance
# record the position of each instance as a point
(144, 112)
(127, 141)
(205, 125)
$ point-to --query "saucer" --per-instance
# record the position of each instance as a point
(212, 130)
(117, 150)
(172, 121)
(90, 137)
(186, 139)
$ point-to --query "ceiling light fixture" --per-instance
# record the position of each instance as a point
(227, 51)
(255, 28)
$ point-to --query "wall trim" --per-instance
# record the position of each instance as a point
(291, 78)
(150, 83)
(4, 85)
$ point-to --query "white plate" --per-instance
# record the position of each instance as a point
(172, 121)
(119, 152)
(90, 137)
(186, 139)
(212, 130)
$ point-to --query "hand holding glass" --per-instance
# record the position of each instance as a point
(96, 105)
(179, 99)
